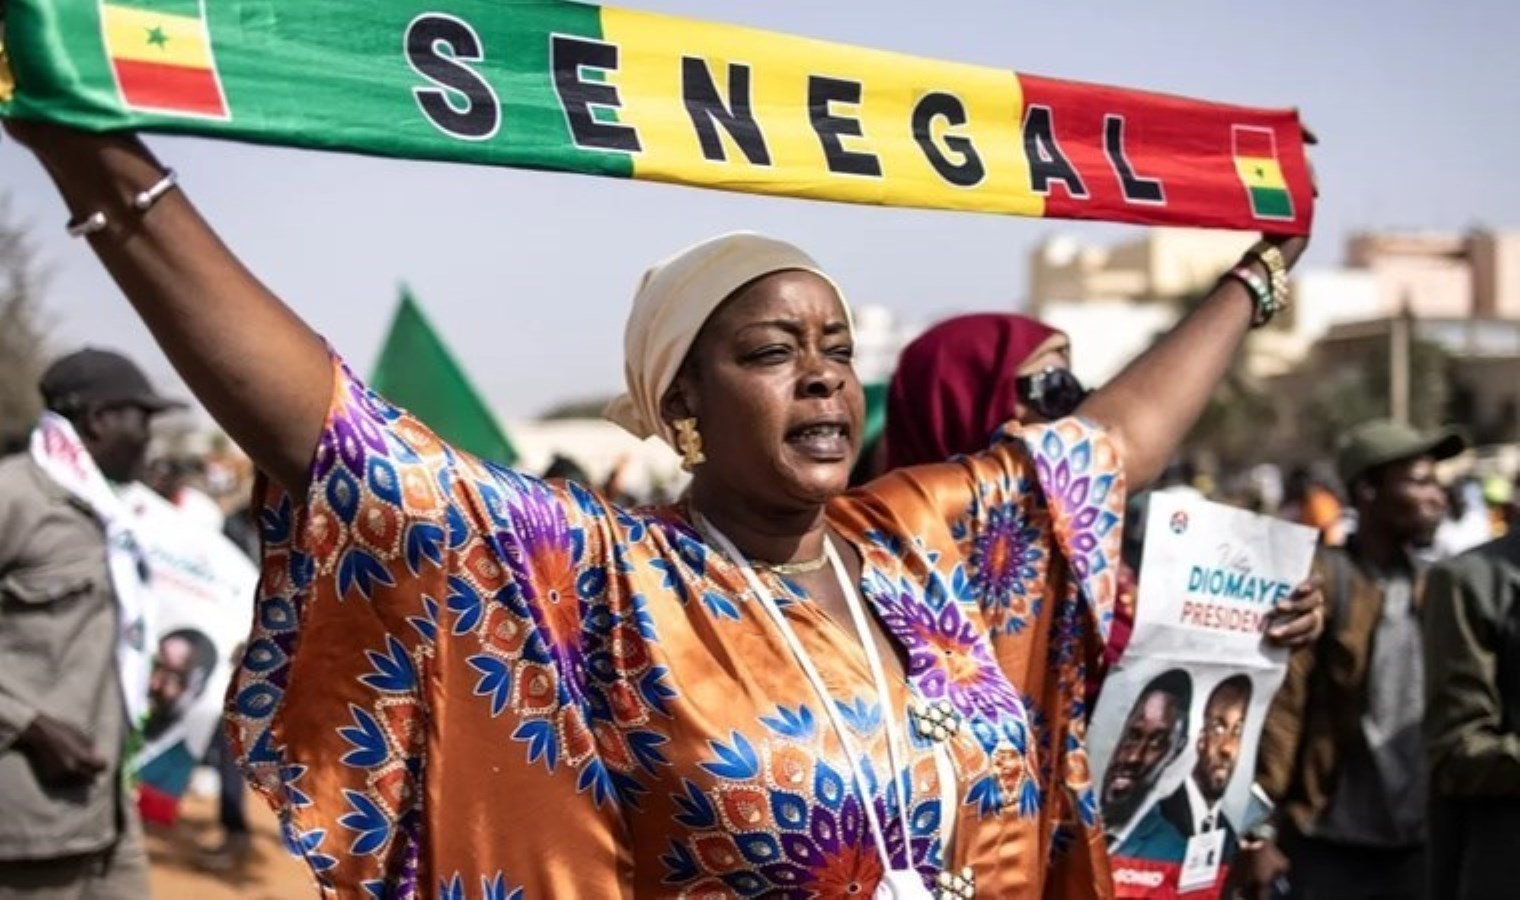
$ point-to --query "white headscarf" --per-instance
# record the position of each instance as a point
(674, 300)
(58, 451)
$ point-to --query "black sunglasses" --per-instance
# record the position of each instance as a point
(1053, 393)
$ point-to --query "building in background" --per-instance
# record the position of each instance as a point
(1464, 371)
(1116, 300)
(1432, 321)
(879, 339)
(1442, 275)
(1447, 301)
(1159, 263)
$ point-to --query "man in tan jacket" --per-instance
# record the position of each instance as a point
(1341, 753)
(68, 828)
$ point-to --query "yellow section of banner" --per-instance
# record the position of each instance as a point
(7, 80)
(775, 114)
(1260, 172)
(141, 35)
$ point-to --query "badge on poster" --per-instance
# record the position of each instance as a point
(1200, 866)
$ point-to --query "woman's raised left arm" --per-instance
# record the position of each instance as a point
(1149, 407)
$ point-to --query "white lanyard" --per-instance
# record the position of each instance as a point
(896, 882)
(883, 693)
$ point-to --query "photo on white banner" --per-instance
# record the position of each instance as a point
(201, 589)
(1175, 730)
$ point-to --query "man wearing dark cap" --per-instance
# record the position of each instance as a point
(67, 827)
(1341, 753)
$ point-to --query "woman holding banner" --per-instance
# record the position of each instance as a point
(462, 679)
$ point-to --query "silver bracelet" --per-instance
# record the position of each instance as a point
(142, 201)
(86, 226)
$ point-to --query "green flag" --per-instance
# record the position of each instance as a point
(416, 371)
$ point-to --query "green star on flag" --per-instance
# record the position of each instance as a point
(160, 52)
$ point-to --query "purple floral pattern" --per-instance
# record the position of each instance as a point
(1009, 563)
(948, 657)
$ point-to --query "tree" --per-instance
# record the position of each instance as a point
(1358, 389)
(23, 330)
(1237, 420)
(1239, 414)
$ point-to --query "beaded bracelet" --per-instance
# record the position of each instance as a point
(142, 201)
(1266, 303)
(1271, 257)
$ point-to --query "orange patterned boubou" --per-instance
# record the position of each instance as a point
(466, 682)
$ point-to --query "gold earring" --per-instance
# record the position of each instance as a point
(689, 442)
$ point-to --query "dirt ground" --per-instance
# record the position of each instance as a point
(269, 874)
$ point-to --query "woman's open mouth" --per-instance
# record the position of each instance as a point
(821, 441)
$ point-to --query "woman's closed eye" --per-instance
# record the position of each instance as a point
(771, 354)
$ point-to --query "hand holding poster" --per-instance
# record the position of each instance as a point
(1176, 728)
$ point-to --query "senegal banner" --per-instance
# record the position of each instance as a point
(578, 88)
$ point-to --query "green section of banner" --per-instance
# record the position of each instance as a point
(283, 64)
(190, 8)
(417, 371)
(57, 51)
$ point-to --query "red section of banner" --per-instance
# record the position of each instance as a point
(1180, 149)
(1152, 880)
(161, 88)
(157, 807)
(1255, 142)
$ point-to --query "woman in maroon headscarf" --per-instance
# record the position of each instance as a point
(966, 377)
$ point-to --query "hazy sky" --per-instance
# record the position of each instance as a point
(1417, 105)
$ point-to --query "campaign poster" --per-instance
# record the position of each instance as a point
(1176, 728)
(201, 589)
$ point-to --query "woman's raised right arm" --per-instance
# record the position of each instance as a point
(260, 370)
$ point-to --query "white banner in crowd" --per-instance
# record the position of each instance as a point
(201, 589)
(1176, 729)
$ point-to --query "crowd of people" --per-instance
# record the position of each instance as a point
(832, 667)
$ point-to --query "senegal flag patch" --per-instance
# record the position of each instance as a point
(1256, 164)
(160, 51)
